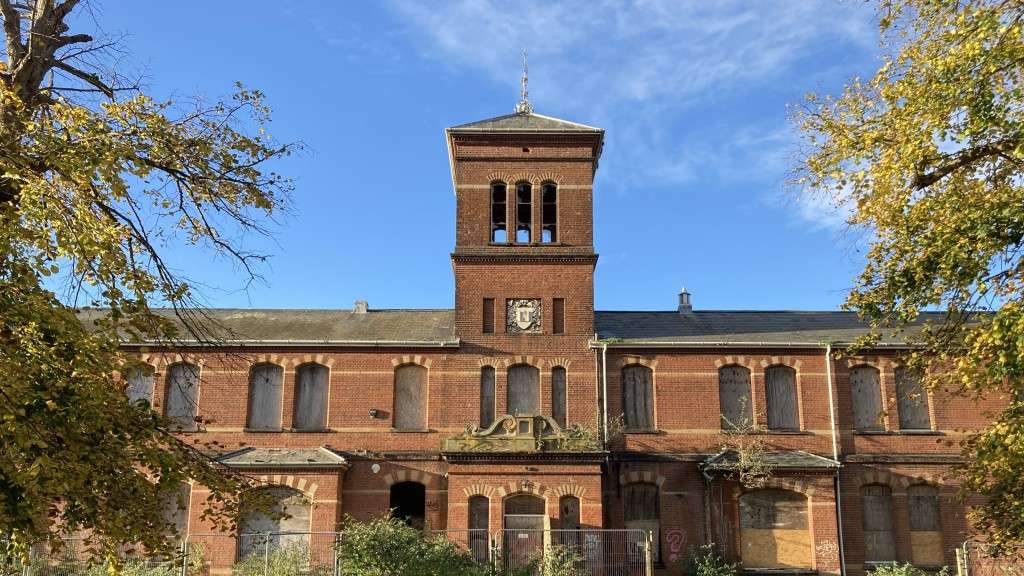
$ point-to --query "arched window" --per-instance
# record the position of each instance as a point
(479, 527)
(638, 397)
(781, 398)
(288, 512)
(311, 382)
(410, 410)
(408, 502)
(866, 390)
(524, 212)
(925, 528)
(499, 212)
(774, 530)
(876, 505)
(549, 212)
(734, 397)
(265, 389)
(176, 503)
(912, 401)
(141, 382)
(523, 390)
(182, 404)
(558, 395)
(642, 510)
(486, 396)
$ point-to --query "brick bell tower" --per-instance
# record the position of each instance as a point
(524, 256)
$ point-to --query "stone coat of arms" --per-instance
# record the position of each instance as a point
(523, 316)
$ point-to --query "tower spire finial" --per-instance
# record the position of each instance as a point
(524, 106)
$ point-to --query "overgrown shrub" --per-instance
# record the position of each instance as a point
(706, 561)
(555, 561)
(907, 569)
(388, 547)
(290, 559)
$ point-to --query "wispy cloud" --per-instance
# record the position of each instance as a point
(641, 69)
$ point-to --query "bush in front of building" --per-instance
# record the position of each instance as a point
(906, 569)
(707, 561)
(389, 547)
(291, 559)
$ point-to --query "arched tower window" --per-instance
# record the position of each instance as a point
(558, 395)
(524, 212)
(549, 212)
(499, 212)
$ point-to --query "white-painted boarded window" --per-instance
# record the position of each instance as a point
(410, 410)
(781, 398)
(311, 382)
(141, 382)
(866, 391)
(912, 401)
(265, 394)
(737, 410)
(182, 399)
(638, 397)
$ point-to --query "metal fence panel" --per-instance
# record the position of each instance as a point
(974, 560)
(598, 552)
(75, 558)
(475, 541)
(305, 553)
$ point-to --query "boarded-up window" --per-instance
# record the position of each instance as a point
(479, 527)
(925, 529)
(912, 401)
(558, 315)
(488, 313)
(734, 397)
(265, 388)
(486, 396)
(876, 502)
(289, 512)
(182, 404)
(569, 512)
(866, 390)
(410, 411)
(176, 508)
(642, 511)
(140, 384)
(311, 397)
(781, 398)
(523, 390)
(774, 530)
(558, 395)
(638, 397)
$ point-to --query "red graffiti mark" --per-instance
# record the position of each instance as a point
(675, 538)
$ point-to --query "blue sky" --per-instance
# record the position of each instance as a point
(693, 96)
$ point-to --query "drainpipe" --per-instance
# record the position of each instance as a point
(835, 456)
(604, 394)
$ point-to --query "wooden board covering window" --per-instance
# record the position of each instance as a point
(311, 397)
(410, 410)
(912, 401)
(558, 315)
(558, 395)
(479, 526)
(876, 505)
(183, 395)
(140, 385)
(290, 512)
(866, 390)
(488, 313)
(774, 530)
(780, 387)
(638, 397)
(642, 511)
(925, 528)
(486, 396)
(265, 389)
(734, 397)
(523, 390)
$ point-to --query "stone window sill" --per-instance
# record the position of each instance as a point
(412, 430)
(641, 432)
(262, 430)
(898, 433)
(310, 431)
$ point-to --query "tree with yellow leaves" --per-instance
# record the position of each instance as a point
(96, 181)
(929, 155)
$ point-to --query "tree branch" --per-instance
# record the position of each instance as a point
(92, 79)
(960, 160)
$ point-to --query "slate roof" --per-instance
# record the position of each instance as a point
(339, 327)
(524, 122)
(283, 458)
(788, 460)
(715, 327)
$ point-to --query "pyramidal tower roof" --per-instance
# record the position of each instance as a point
(524, 122)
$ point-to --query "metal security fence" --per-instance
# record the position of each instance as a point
(477, 542)
(597, 551)
(260, 554)
(972, 559)
(73, 557)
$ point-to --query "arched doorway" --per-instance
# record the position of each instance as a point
(525, 520)
(286, 522)
(409, 503)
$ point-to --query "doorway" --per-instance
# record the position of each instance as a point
(408, 503)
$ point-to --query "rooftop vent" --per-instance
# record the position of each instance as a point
(685, 307)
(360, 307)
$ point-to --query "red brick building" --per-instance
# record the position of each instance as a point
(364, 410)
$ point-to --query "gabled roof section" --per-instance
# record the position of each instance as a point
(728, 460)
(525, 122)
(321, 457)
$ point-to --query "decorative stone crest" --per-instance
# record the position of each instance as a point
(523, 316)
